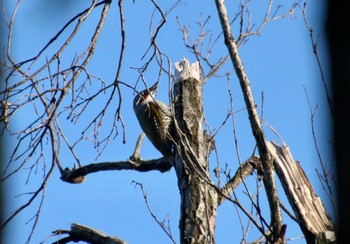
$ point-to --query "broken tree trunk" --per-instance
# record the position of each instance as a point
(307, 206)
(198, 197)
(80, 232)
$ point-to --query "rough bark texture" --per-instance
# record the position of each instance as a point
(198, 197)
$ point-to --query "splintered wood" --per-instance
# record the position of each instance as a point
(307, 206)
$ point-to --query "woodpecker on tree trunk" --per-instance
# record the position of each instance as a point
(155, 120)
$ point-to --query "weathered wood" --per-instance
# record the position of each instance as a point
(198, 197)
(307, 206)
(80, 232)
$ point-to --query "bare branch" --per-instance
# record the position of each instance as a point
(78, 175)
(136, 154)
(243, 172)
(32, 198)
(80, 232)
(196, 47)
(269, 180)
(326, 176)
(249, 28)
(315, 51)
(57, 95)
(285, 209)
(165, 228)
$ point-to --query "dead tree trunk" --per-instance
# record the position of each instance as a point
(307, 206)
(198, 197)
(309, 210)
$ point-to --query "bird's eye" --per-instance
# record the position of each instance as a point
(144, 94)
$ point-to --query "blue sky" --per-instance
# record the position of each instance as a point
(279, 63)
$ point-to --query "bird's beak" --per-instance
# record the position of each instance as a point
(153, 88)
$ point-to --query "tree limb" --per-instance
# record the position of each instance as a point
(269, 180)
(77, 175)
(83, 233)
(243, 172)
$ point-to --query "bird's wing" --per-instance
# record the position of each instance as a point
(156, 114)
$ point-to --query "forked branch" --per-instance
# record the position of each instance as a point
(269, 180)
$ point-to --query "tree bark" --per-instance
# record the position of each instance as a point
(78, 175)
(266, 159)
(198, 197)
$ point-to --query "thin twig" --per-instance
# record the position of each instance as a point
(166, 229)
(315, 51)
